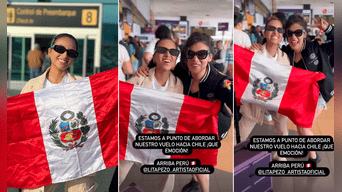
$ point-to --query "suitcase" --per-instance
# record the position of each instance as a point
(245, 163)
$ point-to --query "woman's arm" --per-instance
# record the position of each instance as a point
(222, 56)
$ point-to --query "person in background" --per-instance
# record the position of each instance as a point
(46, 61)
(259, 30)
(240, 38)
(35, 58)
(125, 64)
(136, 51)
(140, 44)
(254, 35)
(230, 59)
(220, 57)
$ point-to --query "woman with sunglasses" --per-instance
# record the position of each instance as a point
(201, 80)
(62, 53)
(313, 57)
(251, 113)
(159, 78)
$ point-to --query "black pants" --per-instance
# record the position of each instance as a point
(114, 183)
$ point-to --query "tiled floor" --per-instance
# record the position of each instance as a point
(323, 125)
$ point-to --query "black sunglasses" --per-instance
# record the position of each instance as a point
(202, 54)
(297, 33)
(60, 49)
(272, 28)
(162, 50)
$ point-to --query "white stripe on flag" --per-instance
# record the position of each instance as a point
(143, 103)
(261, 68)
(79, 161)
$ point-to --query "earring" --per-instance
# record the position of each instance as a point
(304, 45)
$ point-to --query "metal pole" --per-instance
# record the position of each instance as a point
(9, 61)
(84, 66)
(23, 59)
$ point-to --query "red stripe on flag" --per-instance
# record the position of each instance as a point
(300, 97)
(242, 67)
(104, 88)
(203, 123)
(124, 108)
(26, 152)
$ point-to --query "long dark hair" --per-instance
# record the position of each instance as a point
(63, 35)
(253, 30)
(152, 64)
(193, 39)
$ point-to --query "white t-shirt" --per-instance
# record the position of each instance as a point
(156, 86)
(151, 45)
(241, 38)
(123, 56)
(269, 56)
(48, 84)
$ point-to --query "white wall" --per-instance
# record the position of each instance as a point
(318, 10)
(289, 6)
(268, 4)
(144, 8)
(207, 22)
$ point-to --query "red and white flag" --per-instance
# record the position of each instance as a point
(290, 91)
(143, 108)
(64, 132)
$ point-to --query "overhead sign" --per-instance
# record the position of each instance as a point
(211, 31)
(222, 27)
(53, 16)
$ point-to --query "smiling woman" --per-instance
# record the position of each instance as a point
(160, 78)
(62, 53)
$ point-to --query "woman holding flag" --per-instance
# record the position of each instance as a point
(62, 52)
(201, 80)
(159, 78)
(313, 57)
(251, 113)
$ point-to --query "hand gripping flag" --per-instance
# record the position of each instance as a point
(62, 133)
(141, 109)
(288, 90)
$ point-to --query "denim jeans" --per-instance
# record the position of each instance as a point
(34, 72)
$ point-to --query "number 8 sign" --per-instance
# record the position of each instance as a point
(89, 17)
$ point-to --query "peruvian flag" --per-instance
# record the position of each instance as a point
(147, 111)
(63, 133)
(290, 91)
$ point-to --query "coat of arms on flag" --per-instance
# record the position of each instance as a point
(154, 124)
(72, 131)
(265, 90)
